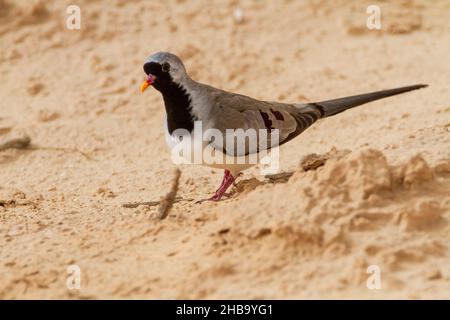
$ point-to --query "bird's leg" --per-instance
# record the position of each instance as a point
(227, 181)
(224, 179)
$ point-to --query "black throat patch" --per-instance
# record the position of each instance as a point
(176, 101)
(178, 108)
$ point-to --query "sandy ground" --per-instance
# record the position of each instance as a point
(97, 143)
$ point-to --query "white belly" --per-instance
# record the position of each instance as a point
(192, 149)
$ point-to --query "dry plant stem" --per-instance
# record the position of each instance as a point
(132, 205)
(167, 201)
(165, 204)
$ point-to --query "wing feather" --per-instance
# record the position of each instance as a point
(266, 119)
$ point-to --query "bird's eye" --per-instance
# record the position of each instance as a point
(165, 67)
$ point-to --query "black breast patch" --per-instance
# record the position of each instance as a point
(176, 101)
(178, 108)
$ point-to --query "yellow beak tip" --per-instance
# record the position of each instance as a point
(144, 86)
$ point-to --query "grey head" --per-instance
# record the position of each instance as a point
(165, 68)
(167, 74)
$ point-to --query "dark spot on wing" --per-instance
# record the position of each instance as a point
(267, 121)
(278, 115)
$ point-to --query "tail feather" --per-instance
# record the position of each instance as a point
(335, 106)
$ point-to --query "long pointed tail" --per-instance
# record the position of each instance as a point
(335, 106)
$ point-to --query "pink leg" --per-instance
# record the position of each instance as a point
(224, 179)
(227, 181)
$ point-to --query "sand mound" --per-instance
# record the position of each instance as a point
(350, 207)
(342, 193)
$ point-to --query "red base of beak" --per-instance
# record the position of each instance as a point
(147, 83)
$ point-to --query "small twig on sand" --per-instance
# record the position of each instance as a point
(165, 204)
(132, 205)
(167, 201)
(16, 143)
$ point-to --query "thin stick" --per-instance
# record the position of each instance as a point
(166, 203)
(132, 205)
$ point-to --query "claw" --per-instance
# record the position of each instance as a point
(227, 181)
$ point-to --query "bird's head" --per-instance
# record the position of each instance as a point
(162, 69)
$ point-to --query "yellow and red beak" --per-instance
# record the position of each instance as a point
(147, 83)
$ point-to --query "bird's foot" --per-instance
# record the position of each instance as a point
(213, 198)
(227, 181)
